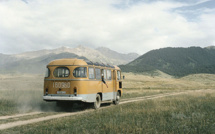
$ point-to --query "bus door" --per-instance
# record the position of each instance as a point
(107, 84)
(104, 84)
(118, 80)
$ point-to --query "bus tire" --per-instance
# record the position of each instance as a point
(97, 103)
(116, 102)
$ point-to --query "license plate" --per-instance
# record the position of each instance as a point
(61, 92)
(61, 84)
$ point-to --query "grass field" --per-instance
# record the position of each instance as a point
(193, 113)
(136, 85)
(23, 93)
(190, 113)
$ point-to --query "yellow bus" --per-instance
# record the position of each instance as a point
(78, 80)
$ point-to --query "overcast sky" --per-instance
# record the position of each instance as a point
(121, 25)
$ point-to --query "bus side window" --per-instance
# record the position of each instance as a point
(109, 75)
(104, 72)
(91, 73)
(98, 73)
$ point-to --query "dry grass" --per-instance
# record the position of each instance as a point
(135, 85)
(139, 81)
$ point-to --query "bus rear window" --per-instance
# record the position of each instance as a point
(80, 72)
(47, 72)
(61, 72)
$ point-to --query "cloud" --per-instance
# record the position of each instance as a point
(137, 27)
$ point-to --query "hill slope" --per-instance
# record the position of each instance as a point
(115, 56)
(175, 61)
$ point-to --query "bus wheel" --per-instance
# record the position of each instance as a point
(97, 103)
(116, 102)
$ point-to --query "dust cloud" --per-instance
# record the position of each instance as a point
(24, 92)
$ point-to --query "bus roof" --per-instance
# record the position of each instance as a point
(78, 62)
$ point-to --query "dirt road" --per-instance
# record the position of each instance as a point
(40, 119)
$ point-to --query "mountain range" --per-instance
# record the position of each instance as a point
(172, 61)
(101, 54)
(175, 61)
(36, 61)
